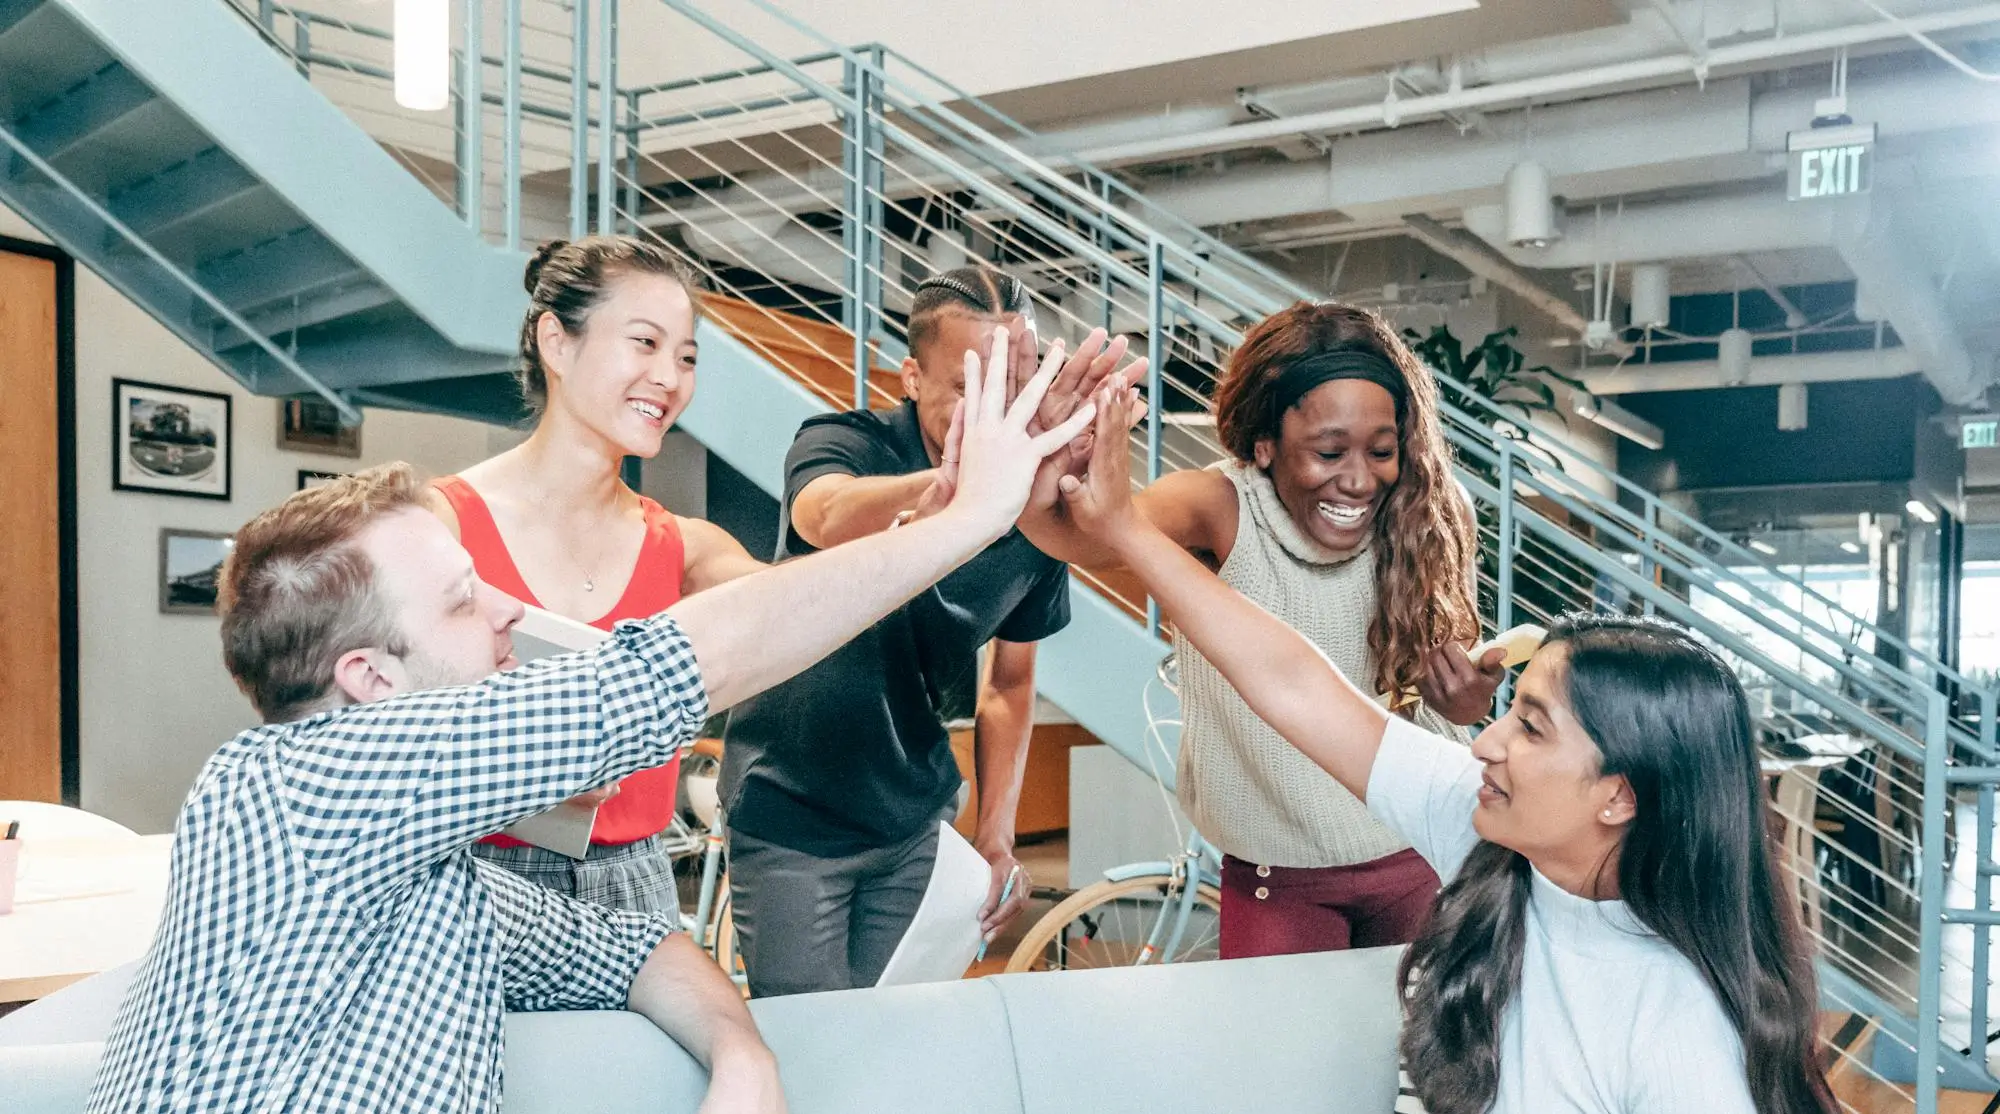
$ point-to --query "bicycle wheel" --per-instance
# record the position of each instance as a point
(1107, 924)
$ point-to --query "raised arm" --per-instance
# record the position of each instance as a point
(385, 788)
(753, 632)
(1193, 506)
(1282, 676)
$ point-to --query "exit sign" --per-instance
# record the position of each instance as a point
(1980, 435)
(1830, 162)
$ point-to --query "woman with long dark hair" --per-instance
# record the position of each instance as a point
(1337, 512)
(1611, 937)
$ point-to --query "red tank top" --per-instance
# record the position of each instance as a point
(644, 805)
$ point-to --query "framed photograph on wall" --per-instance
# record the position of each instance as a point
(309, 478)
(312, 425)
(191, 570)
(169, 440)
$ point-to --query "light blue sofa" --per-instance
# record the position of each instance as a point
(1292, 1034)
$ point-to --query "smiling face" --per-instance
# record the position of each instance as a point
(1335, 459)
(1544, 793)
(630, 373)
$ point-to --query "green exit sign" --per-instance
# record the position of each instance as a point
(1829, 162)
(1980, 435)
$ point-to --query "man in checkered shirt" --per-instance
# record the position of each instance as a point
(328, 941)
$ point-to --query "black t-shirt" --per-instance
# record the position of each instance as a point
(853, 754)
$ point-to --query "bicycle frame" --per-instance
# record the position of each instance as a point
(711, 867)
(1206, 864)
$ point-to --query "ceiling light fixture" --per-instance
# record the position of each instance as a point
(1764, 547)
(1531, 218)
(1850, 547)
(1618, 420)
(1920, 510)
(423, 54)
(1652, 298)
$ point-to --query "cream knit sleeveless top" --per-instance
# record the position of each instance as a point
(1248, 791)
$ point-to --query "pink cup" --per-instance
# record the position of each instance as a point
(10, 864)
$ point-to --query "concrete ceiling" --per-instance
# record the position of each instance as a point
(1493, 23)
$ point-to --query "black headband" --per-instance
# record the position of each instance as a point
(1303, 374)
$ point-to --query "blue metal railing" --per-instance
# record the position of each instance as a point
(857, 142)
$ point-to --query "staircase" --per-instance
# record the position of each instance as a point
(233, 170)
(208, 206)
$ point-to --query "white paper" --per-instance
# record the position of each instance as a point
(564, 829)
(942, 940)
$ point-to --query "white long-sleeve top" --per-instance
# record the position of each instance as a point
(1609, 1018)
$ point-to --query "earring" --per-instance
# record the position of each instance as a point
(1607, 814)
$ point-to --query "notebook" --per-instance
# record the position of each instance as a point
(564, 829)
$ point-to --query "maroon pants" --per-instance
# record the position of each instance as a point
(1276, 910)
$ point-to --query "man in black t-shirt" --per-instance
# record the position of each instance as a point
(834, 782)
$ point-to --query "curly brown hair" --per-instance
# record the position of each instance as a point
(1425, 540)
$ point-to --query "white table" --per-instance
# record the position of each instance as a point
(81, 906)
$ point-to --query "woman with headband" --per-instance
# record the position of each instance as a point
(1338, 514)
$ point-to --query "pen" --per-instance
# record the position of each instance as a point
(1006, 892)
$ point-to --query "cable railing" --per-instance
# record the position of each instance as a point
(1254, 290)
(814, 193)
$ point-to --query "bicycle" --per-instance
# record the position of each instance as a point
(710, 926)
(1167, 911)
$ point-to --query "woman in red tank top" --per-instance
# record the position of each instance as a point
(607, 364)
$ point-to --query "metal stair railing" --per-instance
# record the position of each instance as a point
(818, 191)
(1256, 290)
(1189, 259)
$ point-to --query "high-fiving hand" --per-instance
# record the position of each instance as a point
(1100, 501)
(996, 456)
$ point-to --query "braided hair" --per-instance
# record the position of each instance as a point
(977, 290)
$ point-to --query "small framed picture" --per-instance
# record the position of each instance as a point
(309, 478)
(191, 570)
(312, 425)
(169, 440)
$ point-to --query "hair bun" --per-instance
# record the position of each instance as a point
(540, 259)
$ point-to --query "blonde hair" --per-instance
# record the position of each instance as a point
(297, 593)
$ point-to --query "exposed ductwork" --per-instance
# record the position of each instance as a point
(1669, 230)
(1691, 135)
(1879, 253)
(1484, 261)
(1765, 371)
(1756, 54)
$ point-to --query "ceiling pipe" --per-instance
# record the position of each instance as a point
(1764, 371)
(1720, 133)
(1755, 54)
(1482, 260)
(1669, 230)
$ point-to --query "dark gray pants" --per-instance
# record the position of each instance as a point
(806, 922)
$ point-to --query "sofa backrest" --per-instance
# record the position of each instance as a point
(1292, 1033)
(1289, 1033)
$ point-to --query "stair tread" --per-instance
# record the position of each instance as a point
(804, 349)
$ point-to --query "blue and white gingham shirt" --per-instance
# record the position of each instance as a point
(328, 942)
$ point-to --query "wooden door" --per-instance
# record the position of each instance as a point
(32, 473)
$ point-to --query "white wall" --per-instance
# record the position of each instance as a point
(155, 698)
